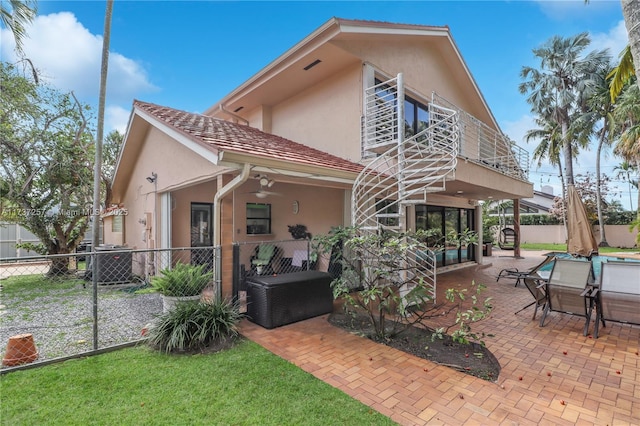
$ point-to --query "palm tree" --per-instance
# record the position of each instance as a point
(631, 14)
(626, 170)
(100, 131)
(110, 150)
(600, 111)
(627, 116)
(558, 90)
(550, 137)
(16, 17)
(621, 74)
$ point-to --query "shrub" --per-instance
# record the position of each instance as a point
(374, 269)
(182, 280)
(195, 325)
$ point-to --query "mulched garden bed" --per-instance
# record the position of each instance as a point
(473, 359)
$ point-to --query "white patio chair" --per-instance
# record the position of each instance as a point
(568, 290)
(618, 296)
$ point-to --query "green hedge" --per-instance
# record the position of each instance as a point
(538, 219)
(611, 218)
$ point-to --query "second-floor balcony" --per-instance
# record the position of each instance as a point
(478, 142)
(483, 145)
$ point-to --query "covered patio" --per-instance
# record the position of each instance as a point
(550, 375)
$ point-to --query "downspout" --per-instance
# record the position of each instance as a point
(233, 114)
(223, 192)
(220, 194)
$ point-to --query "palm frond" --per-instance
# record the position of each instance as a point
(621, 74)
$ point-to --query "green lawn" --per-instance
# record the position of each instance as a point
(245, 385)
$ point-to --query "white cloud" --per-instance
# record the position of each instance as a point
(615, 40)
(517, 129)
(68, 56)
(574, 9)
(539, 176)
(117, 118)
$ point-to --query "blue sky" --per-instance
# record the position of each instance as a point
(188, 55)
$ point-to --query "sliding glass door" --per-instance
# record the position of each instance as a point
(446, 221)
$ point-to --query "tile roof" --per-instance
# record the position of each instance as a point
(222, 135)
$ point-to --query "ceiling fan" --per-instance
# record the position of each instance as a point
(265, 183)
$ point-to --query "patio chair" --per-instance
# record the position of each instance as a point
(568, 290)
(514, 273)
(508, 239)
(618, 296)
(261, 262)
(536, 288)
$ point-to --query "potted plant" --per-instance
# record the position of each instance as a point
(183, 282)
(299, 232)
(488, 223)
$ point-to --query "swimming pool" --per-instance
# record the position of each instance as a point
(596, 261)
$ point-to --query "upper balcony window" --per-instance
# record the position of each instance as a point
(416, 113)
(416, 118)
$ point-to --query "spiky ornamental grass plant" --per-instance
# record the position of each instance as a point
(182, 280)
(193, 326)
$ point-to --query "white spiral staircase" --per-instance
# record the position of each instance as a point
(404, 171)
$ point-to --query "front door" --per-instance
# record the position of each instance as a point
(202, 234)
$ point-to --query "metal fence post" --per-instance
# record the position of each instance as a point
(236, 271)
(218, 271)
(94, 279)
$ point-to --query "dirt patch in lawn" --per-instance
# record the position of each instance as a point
(473, 359)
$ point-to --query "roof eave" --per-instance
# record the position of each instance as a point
(320, 36)
(237, 159)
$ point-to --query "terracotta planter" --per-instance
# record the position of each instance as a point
(21, 349)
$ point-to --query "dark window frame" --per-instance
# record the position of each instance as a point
(208, 207)
(258, 225)
(424, 214)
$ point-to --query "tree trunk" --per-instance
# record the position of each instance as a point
(516, 227)
(59, 267)
(564, 201)
(100, 131)
(631, 13)
(59, 264)
(603, 237)
(638, 203)
(567, 154)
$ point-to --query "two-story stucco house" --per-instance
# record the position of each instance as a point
(363, 123)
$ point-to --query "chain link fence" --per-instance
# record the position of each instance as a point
(60, 306)
(268, 258)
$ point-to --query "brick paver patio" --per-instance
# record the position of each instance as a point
(552, 375)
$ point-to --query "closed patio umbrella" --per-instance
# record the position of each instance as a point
(580, 235)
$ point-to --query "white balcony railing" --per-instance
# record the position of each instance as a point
(483, 145)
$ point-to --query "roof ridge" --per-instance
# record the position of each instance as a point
(395, 24)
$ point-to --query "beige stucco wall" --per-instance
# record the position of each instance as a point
(617, 235)
(109, 236)
(320, 208)
(424, 69)
(498, 185)
(542, 234)
(181, 213)
(325, 116)
(174, 164)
